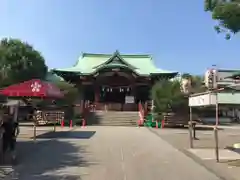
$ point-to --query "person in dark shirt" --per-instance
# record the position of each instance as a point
(11, 131)
(7, 135)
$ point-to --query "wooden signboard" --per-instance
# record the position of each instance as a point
(129, 99)
(46, 117)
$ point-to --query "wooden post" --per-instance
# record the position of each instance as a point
(55, 121)
(152, 111)
(216, 130)
(105, 107)
(16, 112)
(216, 143)
(190, 128)
(1, 146)
(54, 127)
(194, 130)
(97, 92)
(34, 131)
(145, 108)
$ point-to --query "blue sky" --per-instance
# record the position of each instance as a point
(178, 34)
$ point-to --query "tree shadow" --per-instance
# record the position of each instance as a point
(67, 135)
(50, 160)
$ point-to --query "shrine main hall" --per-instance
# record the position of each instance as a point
(116, 82)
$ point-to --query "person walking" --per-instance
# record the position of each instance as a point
(15, 133)
(11, 131)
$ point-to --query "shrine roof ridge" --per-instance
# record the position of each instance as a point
(109, 55)
(90, 63)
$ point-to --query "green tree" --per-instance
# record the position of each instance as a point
(227, 12)
(70, 95)
(19, 62)
(167, 96)
(197, 84)
(70, 91)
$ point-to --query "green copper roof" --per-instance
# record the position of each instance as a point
(91, 63)
(51, 77)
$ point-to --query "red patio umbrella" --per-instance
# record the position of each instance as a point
(33, 88)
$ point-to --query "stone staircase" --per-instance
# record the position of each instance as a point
(113, 118)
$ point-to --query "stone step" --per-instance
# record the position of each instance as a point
(126, 122)
(115, 124)
(116, 112)
(117, 115)
(113, 118)
(124, 125)
(116, 118)
(119, 119)
(106, 121)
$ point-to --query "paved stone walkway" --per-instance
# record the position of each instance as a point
(107, 153)
(209, 154)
